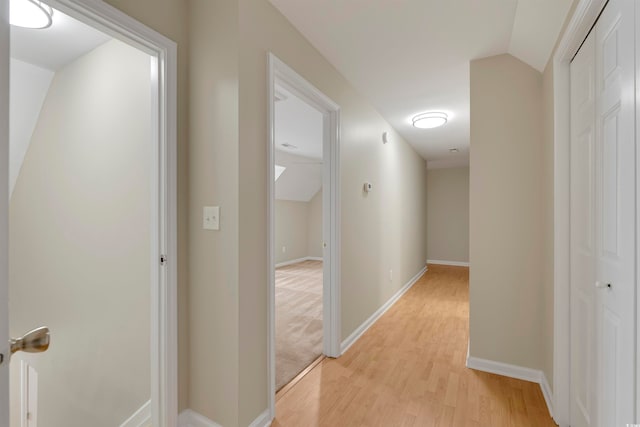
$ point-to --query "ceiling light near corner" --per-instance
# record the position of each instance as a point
(429, 120)
(30, 14)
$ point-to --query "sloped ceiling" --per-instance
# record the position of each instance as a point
(412, 56)
(35, 56)
(302, 178)
(298, 125)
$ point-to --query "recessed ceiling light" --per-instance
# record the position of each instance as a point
(30, 14)
(429, 120)
(287, 145)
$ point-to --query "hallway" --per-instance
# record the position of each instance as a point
(409, 370)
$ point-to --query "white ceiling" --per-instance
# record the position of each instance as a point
(412, 56)
(299, 124)
(66, 40)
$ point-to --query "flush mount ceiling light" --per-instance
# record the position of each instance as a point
(453, 150)
(429, 120)
(30, 14)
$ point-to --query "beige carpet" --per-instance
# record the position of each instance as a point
(298, 318)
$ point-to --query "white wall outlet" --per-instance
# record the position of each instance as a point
(368, 187)
(211, 218)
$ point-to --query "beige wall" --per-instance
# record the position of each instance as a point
(169, 17)
(298, 228)
(214, 180)
(80, 243)
(448, 214)
(291, 226)
(506, 216)
(314, 226)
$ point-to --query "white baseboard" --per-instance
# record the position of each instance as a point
(453, 263)
(546, 392)
(263, 420)
(190, 418)
(142, 417)
(351, 339)
(295, 261)
(517, 372)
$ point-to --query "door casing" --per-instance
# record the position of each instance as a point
(280, 73)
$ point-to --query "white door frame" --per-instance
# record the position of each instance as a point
(584, 17)
(163, 91)
(281, 73)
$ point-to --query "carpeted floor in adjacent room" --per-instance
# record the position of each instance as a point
(298, 318)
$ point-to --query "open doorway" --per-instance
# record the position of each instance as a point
(91, 218)
(304, 233)
(298, 235)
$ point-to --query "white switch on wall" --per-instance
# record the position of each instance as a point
(211, 217)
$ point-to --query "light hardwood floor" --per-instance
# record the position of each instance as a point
(409, 370)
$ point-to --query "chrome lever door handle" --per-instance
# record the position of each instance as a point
(35, 341)
(601, 285)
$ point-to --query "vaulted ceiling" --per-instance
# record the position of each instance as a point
(412, 56)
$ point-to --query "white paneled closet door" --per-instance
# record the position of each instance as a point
(603, 215)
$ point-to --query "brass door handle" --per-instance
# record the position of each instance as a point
(35, 341)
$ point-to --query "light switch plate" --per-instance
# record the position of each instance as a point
(211, 218)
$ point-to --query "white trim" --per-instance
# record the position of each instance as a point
(453, 263)
(164, 293)
(4, 212)
(297, 260)
(263, 420)
(546, 392)
(295, 83)
(583, 18)
(514, 371)
(637, 105)
(190, 418)
(351, 339)
(140, 418)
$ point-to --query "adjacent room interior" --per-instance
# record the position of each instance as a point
(298, 235)
(80, 225)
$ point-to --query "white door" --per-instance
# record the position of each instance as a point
(603, 222)
(583, 235)
(615, 213)
(4, 210)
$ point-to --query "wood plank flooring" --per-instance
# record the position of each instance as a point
(409, 370)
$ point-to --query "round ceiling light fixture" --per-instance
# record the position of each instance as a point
(429, 120)
(30, 14)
